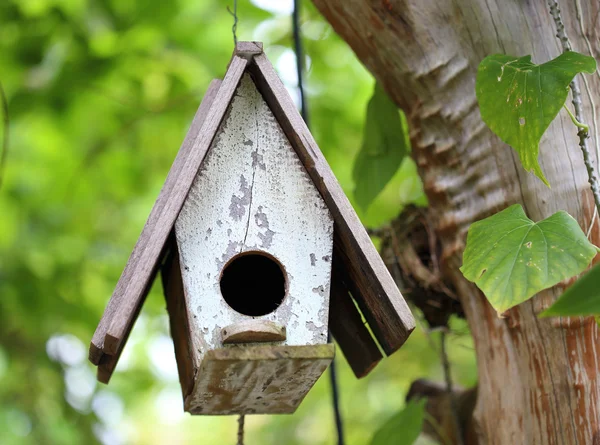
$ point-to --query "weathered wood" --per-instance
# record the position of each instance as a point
(384, 307)
(252, 194)
(115, 307)
(247, 50)
(348, 328)
(255, 181)
(250, 331)
(178, 319)
(153, 241)
(257, 379)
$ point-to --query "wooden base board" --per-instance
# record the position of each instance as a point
(257, 379)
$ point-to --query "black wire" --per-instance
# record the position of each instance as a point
(235, 21)
(299, 59)
(335, 397)
(335, 394)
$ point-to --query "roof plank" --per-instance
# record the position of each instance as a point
(381, 302)
(115, 307)
(348, 329)
(155, 240)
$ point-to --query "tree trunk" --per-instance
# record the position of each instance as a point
(537, 377)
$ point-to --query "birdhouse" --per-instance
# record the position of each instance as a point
(261, 256)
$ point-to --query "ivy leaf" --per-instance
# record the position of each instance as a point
(511, 258)
(519, 99)
(582, 298)
(404, 427)
(385, 144)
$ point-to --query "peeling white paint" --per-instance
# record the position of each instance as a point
(252, 193)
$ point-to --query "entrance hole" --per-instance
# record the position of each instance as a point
(253, 284)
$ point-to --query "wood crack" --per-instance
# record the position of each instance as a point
(254, 167)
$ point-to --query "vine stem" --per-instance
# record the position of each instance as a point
(574, 119)
(583, 131)
(591, 100)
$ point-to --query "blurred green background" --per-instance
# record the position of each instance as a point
(101, 93)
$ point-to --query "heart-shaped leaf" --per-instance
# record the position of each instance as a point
(404, 427)
(385, 144)
(519, 99)
(511, 258)
(582, 298)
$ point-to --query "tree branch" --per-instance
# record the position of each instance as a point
(583, 131)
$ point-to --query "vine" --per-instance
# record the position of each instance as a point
(583, 132)
(507, 255)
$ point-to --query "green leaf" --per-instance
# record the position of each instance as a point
(518, 99)
(404, 427)
(582, 298)
(511, 258)
(385, 144)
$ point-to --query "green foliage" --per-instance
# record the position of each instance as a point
(404, 427)
(385, 144)
(582, 298)
(101, 94)
(511, 258)
(518, 99)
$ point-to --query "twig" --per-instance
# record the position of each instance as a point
(240, 434)
(583, 133)
(5, 140)
(449, 389)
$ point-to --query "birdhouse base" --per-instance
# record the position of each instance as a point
(264, 379)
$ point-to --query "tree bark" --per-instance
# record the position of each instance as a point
(538, 378)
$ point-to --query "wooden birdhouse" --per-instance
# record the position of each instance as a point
(261, 255)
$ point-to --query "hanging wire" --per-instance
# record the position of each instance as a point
(335, 395)
(240, 435)
(299, 59)
(235, 21)
(335, 398)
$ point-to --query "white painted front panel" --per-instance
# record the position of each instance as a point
(252, 193)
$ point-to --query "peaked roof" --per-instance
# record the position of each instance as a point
(358, 272)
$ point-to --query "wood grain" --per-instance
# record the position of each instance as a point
(253, 331)
(152, 240)
(115, 305)
(247, 50)
(179, 321)
(257, 379)
(367, 278)
(253, 194)
(381, 301)
(348, 328)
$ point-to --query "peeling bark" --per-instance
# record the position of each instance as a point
(538, 379)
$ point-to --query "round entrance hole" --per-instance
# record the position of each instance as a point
(253, 284)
